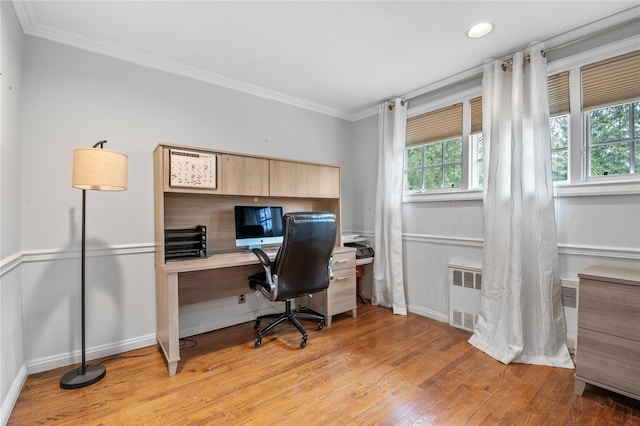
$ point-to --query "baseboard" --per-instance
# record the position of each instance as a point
(12, 395)
(61, 360)
(429, 313)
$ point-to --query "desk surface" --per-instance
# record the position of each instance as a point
(223, 260)
(216, 261)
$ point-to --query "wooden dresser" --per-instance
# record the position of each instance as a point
(341, 295)
(608, 344)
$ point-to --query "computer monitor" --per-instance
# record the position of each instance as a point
(257, 225)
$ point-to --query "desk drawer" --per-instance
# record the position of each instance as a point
(610, 308)
(344, 260)
(342, 291)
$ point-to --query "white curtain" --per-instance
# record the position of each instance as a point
(521, 317)
(388, 281)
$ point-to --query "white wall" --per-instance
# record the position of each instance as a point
(74, 98)
(12, 370)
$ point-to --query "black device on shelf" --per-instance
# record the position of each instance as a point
(362, 250)
(185, 243)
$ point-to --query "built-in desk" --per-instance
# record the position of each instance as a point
(207, 198)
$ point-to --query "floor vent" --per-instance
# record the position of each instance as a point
(465, 287)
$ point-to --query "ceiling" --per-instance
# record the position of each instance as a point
(341, 58)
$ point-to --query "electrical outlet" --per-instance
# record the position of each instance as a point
(242, 298)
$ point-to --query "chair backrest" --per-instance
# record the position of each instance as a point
(302, 263)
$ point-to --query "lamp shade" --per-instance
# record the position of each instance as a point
(99, 169)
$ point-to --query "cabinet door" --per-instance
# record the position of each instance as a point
(245, 175)
(292, 179)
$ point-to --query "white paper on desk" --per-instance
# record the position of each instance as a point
(349, 238)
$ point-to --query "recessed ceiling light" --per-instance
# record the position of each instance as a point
(480, 30)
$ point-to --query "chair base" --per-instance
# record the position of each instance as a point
(291, 316)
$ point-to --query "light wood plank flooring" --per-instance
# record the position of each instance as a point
(375, 369)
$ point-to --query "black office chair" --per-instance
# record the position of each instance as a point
(302, 266)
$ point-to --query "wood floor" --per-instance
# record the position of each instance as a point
(375, 369)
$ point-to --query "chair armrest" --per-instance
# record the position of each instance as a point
(262, 257)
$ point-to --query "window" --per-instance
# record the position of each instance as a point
(477, 145)
(599, 140)
(610, 101)
(477, 170)
(435, 165)
(614, 140)
(560, 147)
(558, 87)
(433, 157)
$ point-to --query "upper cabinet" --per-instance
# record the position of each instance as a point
(294, 179)
(198, 171)
(242, 175)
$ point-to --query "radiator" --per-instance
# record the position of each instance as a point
(465, 287)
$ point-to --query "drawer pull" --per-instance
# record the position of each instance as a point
(342, 261)
(342, 278)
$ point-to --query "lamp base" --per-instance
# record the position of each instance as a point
(74, 379)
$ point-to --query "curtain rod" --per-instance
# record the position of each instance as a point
(506, 64)
(391, 105)
(509, 62)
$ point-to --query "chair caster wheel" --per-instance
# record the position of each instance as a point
(320, 325)
(256, 325)
(258, 342)
(303, 343)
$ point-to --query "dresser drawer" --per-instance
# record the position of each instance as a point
(344, 260)
(609, 308)
(608, 360)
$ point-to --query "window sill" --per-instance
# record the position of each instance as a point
(588, 189)
(592, 189)
(442, 195)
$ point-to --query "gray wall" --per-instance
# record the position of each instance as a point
(73, 98)
(12, 369)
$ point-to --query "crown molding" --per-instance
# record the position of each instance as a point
(31, 27)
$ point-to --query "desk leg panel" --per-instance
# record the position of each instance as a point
(167, 323)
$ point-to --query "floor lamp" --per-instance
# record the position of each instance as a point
(102, 170)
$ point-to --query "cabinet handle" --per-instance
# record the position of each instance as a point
(342, 261)
(342, 278)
